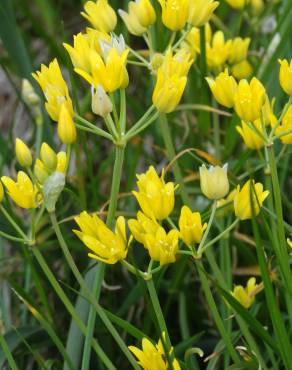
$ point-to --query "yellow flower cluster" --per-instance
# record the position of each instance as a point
(252, 105)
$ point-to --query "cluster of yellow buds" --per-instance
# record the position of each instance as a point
(153, 356)
(246, 295)
(48, 163)
(26, 192)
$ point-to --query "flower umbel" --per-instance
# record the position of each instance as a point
(107, 246)
(155, 197)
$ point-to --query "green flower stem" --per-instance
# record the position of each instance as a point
(117, 173)
(110, 124)
(123, 111)
(219, 236)
(68, 157)
(216, 131)
(144, 126)
(93, 128)
(160, 320)
(206, 233)
(7, 352)
(243, 326)
(111, 329)
(11, 237)
(282, 245)
(39, 134)
(139, 123)
(138, 56)
(13, 223)
(70, 308)
(281, 334)
(171, 154)
(215, 313)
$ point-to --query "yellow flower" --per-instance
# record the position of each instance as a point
(54, 88)
(155, 197)
(66, 127)
(257, 6)
(237, 4)
(250, 137)
(23, 192)
(175, 13)
(285, 76)
(101, 15)
(109, 69)
(223, 88)
(238, 50)
(162, 246)
(168, 92)
(249, 199)
(152, 357)
(246, 296)
(85, 46)
(143, 225)
(190, 226)
(249, 99)
(23, 153)
(107, 246)
(217, 51)
(141, 15)
(1, 192)
(286, 127)
(49, 163)
(191, 43)
(214, 182)
(200, 11)
(177, 64)
(242, 70)
(289, 242)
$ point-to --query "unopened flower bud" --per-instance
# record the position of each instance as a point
(101, 103)
(66, 127)
(40, 172)
(28, 94)
(48, 156)
(214, 181)
(23, 153)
